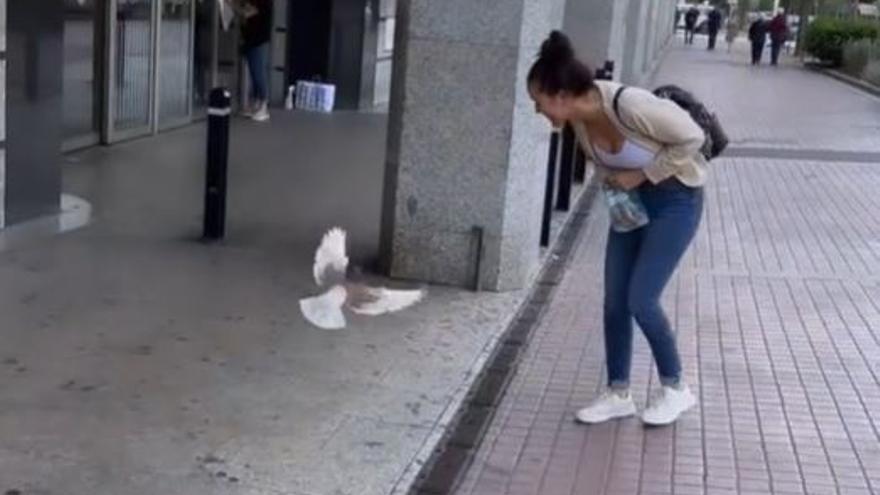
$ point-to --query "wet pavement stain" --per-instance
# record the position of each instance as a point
(414, 407)
(28, 299)
(210, 459)
(143, 350)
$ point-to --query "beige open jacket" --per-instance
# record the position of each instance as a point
(656, 124)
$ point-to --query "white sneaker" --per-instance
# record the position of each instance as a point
(262, 114)
(667, 405)
(610, 405)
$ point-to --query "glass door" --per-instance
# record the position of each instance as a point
(175, 66)
(132, 88)
(153, 60)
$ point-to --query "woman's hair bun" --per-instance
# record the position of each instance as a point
(557, 48)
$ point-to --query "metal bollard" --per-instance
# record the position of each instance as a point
(548, 192)
(606, 72)
(580, 166)
(609, 69)
(219, 111)
(566, 168)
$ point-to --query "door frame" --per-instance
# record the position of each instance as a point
(99, 72)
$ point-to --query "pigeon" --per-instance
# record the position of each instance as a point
(326, 310)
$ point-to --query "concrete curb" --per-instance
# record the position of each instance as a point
(845, 78)
(453, 454)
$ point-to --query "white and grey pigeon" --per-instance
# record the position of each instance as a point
(331, 264)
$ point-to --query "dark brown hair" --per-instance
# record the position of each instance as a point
(558, 69)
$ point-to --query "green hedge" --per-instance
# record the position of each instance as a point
(857, 55)
(826, 37)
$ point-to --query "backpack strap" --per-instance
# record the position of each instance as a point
(616, 102)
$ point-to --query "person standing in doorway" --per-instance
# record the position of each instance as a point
(690, 24)
(638, 142)
(714, 25)
(256, 33)
(758, 37)
(778, 36)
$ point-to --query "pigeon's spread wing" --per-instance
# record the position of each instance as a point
(330, 259)
(374, 301)
(325, 311)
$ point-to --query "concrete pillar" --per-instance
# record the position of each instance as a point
(2, 113)
(32, 173)
(633, 33)
(465, 147)
(591, 25)
(639, 11)
(651, 25)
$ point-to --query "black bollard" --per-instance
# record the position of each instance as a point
(609, 69)
(580, 165)
(606, 72)
(549, 190)
(218, 155)
(566, 168)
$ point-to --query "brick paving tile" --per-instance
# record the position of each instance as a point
(776, 305)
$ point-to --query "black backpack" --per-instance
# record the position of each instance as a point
(716, 138)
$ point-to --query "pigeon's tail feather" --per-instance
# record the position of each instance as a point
(325, 311)
(379, 300)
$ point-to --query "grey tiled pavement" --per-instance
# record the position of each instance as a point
(777, 307)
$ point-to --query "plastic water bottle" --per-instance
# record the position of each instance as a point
(288, 102)
(625, 209)
(300, 95)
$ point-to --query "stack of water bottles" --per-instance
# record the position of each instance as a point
(311, 96)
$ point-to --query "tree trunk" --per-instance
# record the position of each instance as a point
(805, 8)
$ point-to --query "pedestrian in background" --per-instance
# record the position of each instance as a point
(255, 17)
(731, 31)
(714, 25)
(778, 36)
(690, 24)
(758, 37)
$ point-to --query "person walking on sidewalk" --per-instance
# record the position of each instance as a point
(639, 142)
(758, 37)
(256, 34)
(690, 24)
(731, 30)
(714, 25)
(778, 35)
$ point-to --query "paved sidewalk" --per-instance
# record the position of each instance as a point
(137, 361)
(777, 306)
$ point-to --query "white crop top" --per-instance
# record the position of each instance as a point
(631, 156)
